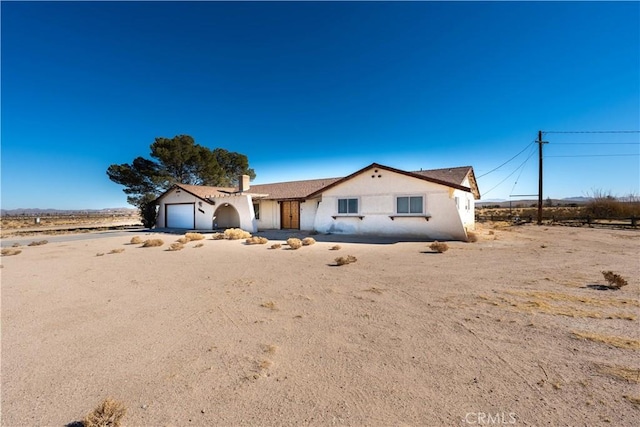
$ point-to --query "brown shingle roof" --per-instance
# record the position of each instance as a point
(292, 189)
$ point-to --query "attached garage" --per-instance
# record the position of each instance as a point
(181, 215)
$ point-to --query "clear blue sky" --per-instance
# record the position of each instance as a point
(319, 89)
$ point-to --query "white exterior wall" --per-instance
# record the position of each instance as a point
(308, 210)
(269, 215)
(377, 202)
(204, 211)
(466, 207)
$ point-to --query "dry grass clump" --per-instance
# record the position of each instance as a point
(615, 281)
(335, 248)
(269, 304)
(308, 241)
(199, 245)
(15, 245)
(176, 246)
(10, 251)
(256, 240)
(183, 240)
(620, 342)
(38, 243)
(217, 236)
(107, 414)
(622, 373)
(236, 234)
(276, 246)
(439, 247)
(270, 348)
(116, 251)
(194, 236)
(472, 237)
(346, 260)
(135, 240)
(152, 243)
(294, 243)
(633, 399)
(100, 254)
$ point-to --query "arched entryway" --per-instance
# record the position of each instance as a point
(226, 216)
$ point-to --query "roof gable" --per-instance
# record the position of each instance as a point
(452, 180)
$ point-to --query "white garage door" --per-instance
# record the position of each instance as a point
(180, 216)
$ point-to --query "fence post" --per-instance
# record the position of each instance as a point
(634, 221)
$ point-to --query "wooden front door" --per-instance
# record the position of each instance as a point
(290, 214)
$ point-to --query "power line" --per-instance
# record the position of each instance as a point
(591, 131)
(521, 170)
(514, 171)
(597, 155)
(495, 169)
(596, 143)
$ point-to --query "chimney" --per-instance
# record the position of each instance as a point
(243, 183)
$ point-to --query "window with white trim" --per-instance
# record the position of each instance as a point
(410, 204)
(347, 206)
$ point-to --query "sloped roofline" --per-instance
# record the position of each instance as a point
(177, 185)
(390, 169)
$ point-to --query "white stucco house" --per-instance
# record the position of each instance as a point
(375, 200)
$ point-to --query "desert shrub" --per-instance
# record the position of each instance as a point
(199, 245)
(38, 243)
(615, 281)
(439, 247)
(256, 240)
(217, 236)
(294, 243)
(276, 246)
(100, 254)
(15, 245)
(152, 242)
(107, 414)
(194, 236)
(236, 234)
(116, 251)
(346, 260)
(335, 248)
(308, 241)
(176, 246)
(135, 240)
(10, 251)
(605, 205)
(472, 237)
(183, 240)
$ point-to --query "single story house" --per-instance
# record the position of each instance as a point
(375, 200)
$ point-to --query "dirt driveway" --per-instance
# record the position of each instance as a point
(505, 329)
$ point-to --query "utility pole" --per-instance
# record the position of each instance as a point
(540, 142)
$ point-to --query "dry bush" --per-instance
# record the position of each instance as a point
(199, 245)
(276, 246)
(256, 240)
(38, 243)
(308, 241)
(236, 234)
(270, 348)
(439, 247)
(135, 240)
(194, 236)
(217, 236)
(116, 251)
(345, 260)
(107, 414)
(176, 246)
(183, 240)
(16, 245)
(294, 243)
(472, 237)
(335, 248)
(10, 251)
(604, 205)
(615, 281)
(100, 254)
(152, 242)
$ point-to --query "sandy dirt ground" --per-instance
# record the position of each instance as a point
(505, 331)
